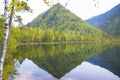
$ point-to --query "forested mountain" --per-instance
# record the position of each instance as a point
(109, 21)
(58, 17)
(68, 26)
(57, 24)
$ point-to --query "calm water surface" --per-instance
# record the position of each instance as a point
(67, 62)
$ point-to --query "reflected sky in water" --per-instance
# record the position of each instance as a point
(85, 71)
(88, 71)
(30, 71)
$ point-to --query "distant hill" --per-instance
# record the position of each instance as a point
(108, 22)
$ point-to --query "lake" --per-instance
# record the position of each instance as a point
(83, 61)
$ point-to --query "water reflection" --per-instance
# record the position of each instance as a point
(88, 71)
(67, 62)
(109, 59)
(30, 71)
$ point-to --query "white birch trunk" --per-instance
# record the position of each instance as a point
(6, 36)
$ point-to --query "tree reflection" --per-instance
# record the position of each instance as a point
(109, 59)
(57, 59)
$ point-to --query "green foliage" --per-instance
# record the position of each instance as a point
(37, 35)
(8, 66)
(1, 30)
(8, 69)
(18, 6)
(1, 22)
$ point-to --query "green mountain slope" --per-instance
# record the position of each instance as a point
(68, 25)
(112, 24)
(109, 21)
(59, 17)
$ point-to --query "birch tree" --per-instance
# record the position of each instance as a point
(5, 39)
(9, 11)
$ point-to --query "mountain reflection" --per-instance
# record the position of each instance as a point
(109, 59)
(59, 60)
